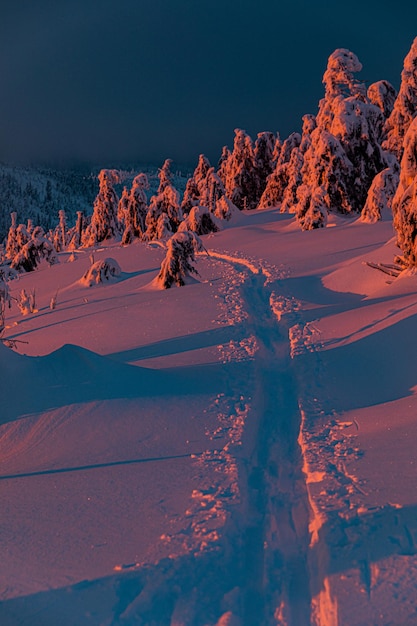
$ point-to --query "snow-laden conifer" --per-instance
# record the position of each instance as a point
(238, 172)
(405, 200)
(277, 181)
(12, 246)
(383, 95)
(177, 265)
(195, 185)
(165, 203)
(60, 233)
(380, 195)
(104, 224)
(405, 106)
(344, 153)
(295, 164)
(37, 248)
(135, 209)
(264, 160)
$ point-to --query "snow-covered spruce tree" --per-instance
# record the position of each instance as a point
(238, 172)
(104, 223)
(405, 105)
(31, 254)
(200, 221)
(277, 181)
(344, 155)
(135, 210)
(224, 157)
(381, 194)
(60, 233)
(195, 185)
(264, 160)
(165, 202)
(12, 246)
(295, 164)
(165, 175)
(212, 195)
(405, 201)
(23, 235)
(383, 95)
(122, 207)
(177, 264)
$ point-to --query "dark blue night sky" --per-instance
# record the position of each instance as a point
(142, 80)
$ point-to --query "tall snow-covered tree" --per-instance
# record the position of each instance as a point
(294, 168)
(264, 160)
(135, 209)
(344, 155)
(195, 185)
(12, 246)
(60, 233)
(165, 175)
(405, 200)
(405, 105)
(238, 172)
(212, 190)
(277, 182)
(104, 223)
(165, 202)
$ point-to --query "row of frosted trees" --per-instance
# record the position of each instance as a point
(356, 156)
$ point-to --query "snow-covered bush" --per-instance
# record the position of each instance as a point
(102, 271)
(225, 209)
(200, 221)
(34, 251)
(27, 303)
(177, 264)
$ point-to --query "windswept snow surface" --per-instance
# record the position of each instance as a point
(240, 450)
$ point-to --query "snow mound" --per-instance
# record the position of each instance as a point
(103, 271)
(68, 375)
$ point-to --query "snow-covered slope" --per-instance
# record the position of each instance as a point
(236, 451)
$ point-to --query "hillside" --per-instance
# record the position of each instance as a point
(236, 451)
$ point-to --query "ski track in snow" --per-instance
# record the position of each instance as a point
(276, 538)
